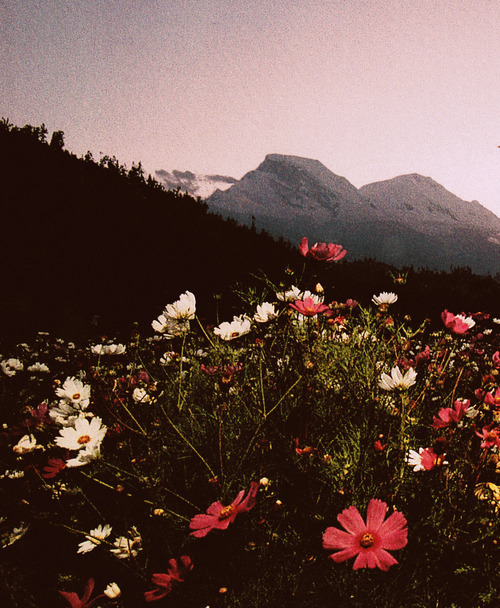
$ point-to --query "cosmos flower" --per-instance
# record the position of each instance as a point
(496, 359)
(84, 456)
(84, 602)
(493, 398)
(239, 326)
(397, 380)
(218, 517)
(39, 368)
(86, 434)
(425, 459)
(490, 436)
(385, 298)
(308, 307)
(75, 393)
(324, 252)
(94, 538)
(177, 571)
(458, 324)
(140, 396)
(108, 349)
(289, 295)
(184, 309)
(127, 546)
(370, 541)
(26, 444)
(448, 415)
(265, 312)
(11, 366)
(170, 328)
(112, 591)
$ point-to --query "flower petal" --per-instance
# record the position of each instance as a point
(351, 520)
(375, 514)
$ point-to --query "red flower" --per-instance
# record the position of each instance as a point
(496, 359)
(458, 324)
(490, 436)
(368, 541)
(448, 415)
(165, 582)
(324, 252)
(218, 517)
(493, 398)
(85, 602)
(308, 307)
(53, 468)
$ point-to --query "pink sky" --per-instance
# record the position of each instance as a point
(372, 89)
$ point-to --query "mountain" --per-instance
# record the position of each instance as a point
(408, 220)
(194, 184)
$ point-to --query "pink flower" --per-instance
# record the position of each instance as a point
(308, 307)
(218, 517)
(368, 541)
(493, 398)
(324, 252)
(165, 582)
(490, 436)
(85, 602)
(496, 359)
(448, 415)
(458, 324)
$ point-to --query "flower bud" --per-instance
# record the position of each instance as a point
(112, 591)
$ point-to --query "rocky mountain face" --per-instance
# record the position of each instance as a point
(408, 220)
(194, 184)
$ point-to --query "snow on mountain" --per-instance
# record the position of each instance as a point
(195, 184)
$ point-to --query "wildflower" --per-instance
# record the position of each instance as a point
(290, 295)
(448, 415)
(112, 591)
(425, 459)
(108, 349)
(324, 252)
(385, 298)
(84, 456)
(265, 312)
(308, 307)
(40, 368)
(11, 366)
(170, 328)
(239, 326)
(488, 491)
(496, 359)
(85, 434)
(85, 602)
(140, 396)
(53, 467)
(493, 398)
(184, 309)
(16, 474)
(370, 541)
(490, 436)
(218, 517)
(177, 571)
(26, 445)
(458, 324)
(125, 547)
(65, 414)
(75, 393)
(397, 380)
(94, 538)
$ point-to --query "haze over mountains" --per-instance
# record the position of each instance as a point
(407, 220)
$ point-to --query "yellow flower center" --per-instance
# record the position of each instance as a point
(226, 512)
(366, 540)
(76, 396)
(83, 439)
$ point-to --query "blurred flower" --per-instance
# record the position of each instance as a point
(425, 459)
(239, 326)
(290, 295)
(12, 474)
(265, 312)
(84, 456)
(385, 298)
(170, 328)
(177, 571)
(490, 436)
(65, 414)
(308, 307)
(11, 366)
(53, 467)
(458, 324)
(493, 398)
(488, 491)
(368, 541)
(125, 547)
(75, 393)
(94, 538)
(85, 434)
(218, 517)
(27, 444)
(40, 368)
(14, 535)
(108, 349)
(112, 591)
(397, 380)
(324, 252)
(140, 396)
(183, 309)
(448, 415)
(85, 602)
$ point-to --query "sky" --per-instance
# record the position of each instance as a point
(372, 89)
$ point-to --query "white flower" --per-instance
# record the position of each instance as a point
(140, 396)
(12, 474)
(112, 591)
(397, 379)
(414, 459)
(183, 309)
(289, 295)
(26, 444)
(127, 547)
(15, 535)
(469, 321)
(385, 298)
(108, 349)
(239, 326)
(265, 312)
(38, 367)
(170, 328)
(317, 298)
(84, 435)
(11, 366)
(76, 393)
(84, 456)
(495, 320)
(94, 538)
(65, 414)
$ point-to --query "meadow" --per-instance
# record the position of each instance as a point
(305, 452)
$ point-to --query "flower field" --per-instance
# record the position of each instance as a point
(306, 452)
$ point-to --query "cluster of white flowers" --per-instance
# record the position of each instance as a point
(265, 312)
(239, 326)
(38, 368)
(108, 349)
(174, 321)
(397, 380)
(11, 366)
(94, 538)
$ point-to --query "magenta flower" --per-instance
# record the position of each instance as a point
(496, 359)
(308, 307)
(368, 541)
(490, 436)
(324, 252)
(493, 398)
(177, 571)
(85, 602)
(218, 517)
(450, 415)
(458, 324)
